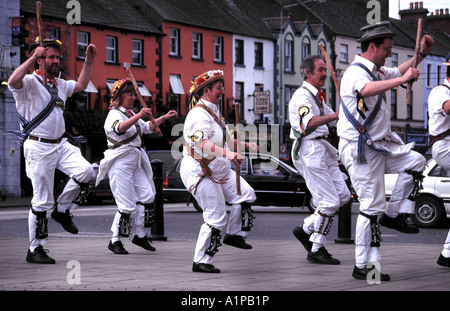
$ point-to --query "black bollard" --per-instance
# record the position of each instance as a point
(345, 224)
(157, 229)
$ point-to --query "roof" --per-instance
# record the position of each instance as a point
(242, 17)
(113, 14)
(407, 33)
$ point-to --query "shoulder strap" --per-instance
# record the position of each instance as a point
(316, 100)
(445, 85)
(216, 118)
(364, 137)
(28, 126)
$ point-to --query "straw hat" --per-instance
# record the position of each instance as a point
(204, 79)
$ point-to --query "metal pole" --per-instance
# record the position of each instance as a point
(157, 230)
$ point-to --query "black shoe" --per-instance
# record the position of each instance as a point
(398, 223)
(303, 237)
(117, 248)
(443, 261)
(236, 241)
(65, 219)
(361, 274)
(143, 242)
(322, 257)
(39, 256)
(204, 267)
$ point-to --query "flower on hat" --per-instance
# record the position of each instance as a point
(203, 78)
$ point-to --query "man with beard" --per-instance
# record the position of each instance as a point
(316, 159)
(40, 106)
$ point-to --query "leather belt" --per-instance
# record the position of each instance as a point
(321, 137)
(45, 140)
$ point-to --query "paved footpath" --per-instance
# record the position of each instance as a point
(276, 270)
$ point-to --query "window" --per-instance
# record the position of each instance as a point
(306, 47)
(218, 49)
(111, 49)
(53, 32)
(409, 108)
(83, 42)
(394, 104)
(429, 84)
(439, 69)
(259, 62)
(239, 52)
(343, 56)
(197, 45)
(288, 55)
(394, 60)
(324, 45)
(174, 42)
(289, 91)
(138, 51)
(239, 97)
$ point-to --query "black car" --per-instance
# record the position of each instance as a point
(275, 183)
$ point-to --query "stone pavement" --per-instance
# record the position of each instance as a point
(83, 263)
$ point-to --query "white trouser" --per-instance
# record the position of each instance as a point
(326, 184)
(211, 197)
(441, 154)
(129, 185)
(41, 161)
(368, 182)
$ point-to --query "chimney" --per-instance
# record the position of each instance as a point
(413, 14)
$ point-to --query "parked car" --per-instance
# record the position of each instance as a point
(275, 183)
(433, 204)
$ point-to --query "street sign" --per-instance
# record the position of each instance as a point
(261, 102)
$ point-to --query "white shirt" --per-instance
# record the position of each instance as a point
(439, 121)
(111, 127)
(199, 120)
(302, 98)
(355, 79)
(33, 97)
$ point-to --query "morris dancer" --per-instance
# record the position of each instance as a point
(128, 167)
(439, 124)
(40, 106)
(316, 159)
(206, 172)
(368, 148)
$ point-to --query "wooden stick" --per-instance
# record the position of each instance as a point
(41, 40)
(415, 62)
(136, 88)
(333, 74)
(238, 142)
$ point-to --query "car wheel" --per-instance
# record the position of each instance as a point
(428, 212)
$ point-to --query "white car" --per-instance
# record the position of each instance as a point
(433, 203)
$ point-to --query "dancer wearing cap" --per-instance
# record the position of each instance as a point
(316, 159)
(40, 106)
(128, 167)
(439, 126)
(368, 147)
(206, 172)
